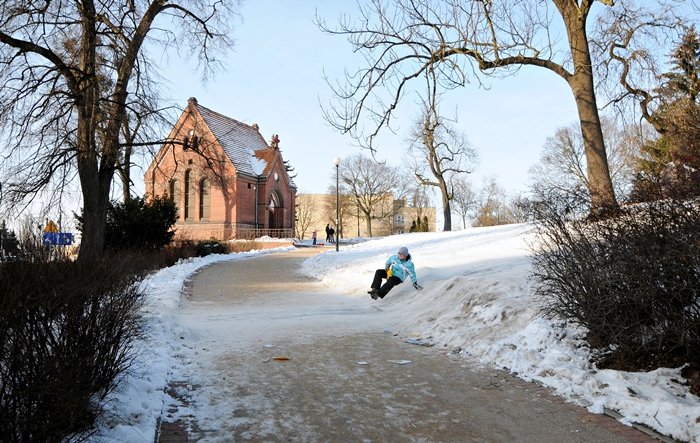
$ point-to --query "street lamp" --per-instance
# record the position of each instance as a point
(336, 162)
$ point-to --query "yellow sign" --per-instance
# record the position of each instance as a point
(51, 227)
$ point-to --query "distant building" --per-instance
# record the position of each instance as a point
(226, 181)
(315, 211)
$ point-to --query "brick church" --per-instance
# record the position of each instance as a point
(226, 181)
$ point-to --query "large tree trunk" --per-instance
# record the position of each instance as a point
(581, 84)
(87, 104)
(95, 204)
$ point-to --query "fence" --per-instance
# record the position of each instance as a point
(244, 233)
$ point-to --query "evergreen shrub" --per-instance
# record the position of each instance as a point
(211, 246)
(139, 225)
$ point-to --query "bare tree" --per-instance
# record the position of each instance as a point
(493, 205)
(438, 147)
(305, 210)
(143, 124)
(562, 166)
(68, 73)
(458, 41)
(418, 196)
(345, 204)
(669, 163)
(517, 209)
(632, 41)
(374, 187)
(464, 198)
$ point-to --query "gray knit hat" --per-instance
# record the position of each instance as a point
(403, 250)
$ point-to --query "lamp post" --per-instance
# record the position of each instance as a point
(336, 162)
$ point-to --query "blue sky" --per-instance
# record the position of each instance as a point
(274, 77)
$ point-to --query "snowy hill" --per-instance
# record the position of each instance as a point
(478, 299)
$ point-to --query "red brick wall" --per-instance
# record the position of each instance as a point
(246, 190)
(173, 162)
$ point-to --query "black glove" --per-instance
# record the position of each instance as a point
(418, 287)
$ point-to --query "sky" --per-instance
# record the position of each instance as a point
(477, 299)
(275, 77)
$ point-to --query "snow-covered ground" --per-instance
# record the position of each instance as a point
(477, 298)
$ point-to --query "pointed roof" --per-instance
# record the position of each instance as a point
(242, 143)
(238, 140)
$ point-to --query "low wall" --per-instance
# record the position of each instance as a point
(273, 245)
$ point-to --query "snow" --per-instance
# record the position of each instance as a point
(256, 163)
(478, 299)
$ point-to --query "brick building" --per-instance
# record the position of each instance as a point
(226, 180)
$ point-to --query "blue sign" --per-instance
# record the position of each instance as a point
(57, 238)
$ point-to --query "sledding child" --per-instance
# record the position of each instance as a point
(398, 268)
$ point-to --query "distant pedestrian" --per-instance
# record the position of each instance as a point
(397, 268)
(328, 233)
(313, 237)
(331, 235)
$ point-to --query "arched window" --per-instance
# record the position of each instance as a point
(174, 194)
(189, 195)
(204, 199)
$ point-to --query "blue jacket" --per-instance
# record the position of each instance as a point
(401, 268)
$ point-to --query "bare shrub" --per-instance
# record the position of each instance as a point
(243, 246)
(184, 249)
(172, 253)
(66, 333)
(632, 280)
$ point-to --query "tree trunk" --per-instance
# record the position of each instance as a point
(95, 201)
(581, 84)
(446, 210)
(369, 223)
(87, 103)
(125, 174)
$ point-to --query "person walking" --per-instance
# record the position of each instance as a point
(397, 268)
(313, 237)
(331, 234)
(328, 233)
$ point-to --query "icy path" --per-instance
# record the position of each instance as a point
(272, 356)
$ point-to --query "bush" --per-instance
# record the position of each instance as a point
(184, 249)
(212, 246)
(66, 334)
(632, 280)
(243, 246)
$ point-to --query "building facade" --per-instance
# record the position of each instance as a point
(315, 211)
(226, 181)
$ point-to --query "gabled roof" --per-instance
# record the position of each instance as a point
(266, 156)
(238, 140)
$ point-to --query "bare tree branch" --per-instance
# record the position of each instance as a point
(467, 41)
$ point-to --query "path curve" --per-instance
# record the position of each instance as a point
(348, 377)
